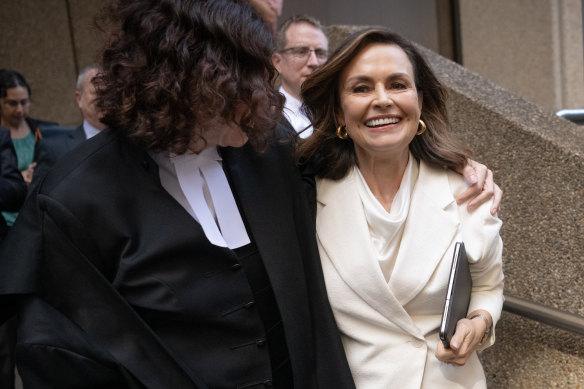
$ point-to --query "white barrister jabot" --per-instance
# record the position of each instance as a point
(209, 198)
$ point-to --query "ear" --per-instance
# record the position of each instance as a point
(77, 97)
(420, 100)
(277, 61)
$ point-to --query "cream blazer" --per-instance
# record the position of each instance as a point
(390, 329)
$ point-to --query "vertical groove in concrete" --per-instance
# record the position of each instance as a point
(72, 35)
(572, 30)
(557, 49)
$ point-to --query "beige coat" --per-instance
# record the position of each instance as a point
(390, 329)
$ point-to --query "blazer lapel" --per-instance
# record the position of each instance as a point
(430, 227)
(77, 136)
(344, 235)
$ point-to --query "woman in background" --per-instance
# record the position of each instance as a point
(387, 218)
(15, 95)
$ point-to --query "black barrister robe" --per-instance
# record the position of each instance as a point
(116, 285)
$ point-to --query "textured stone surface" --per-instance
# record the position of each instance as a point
(416, 19)
(530, 355)
(538, 160)
(531, 47)
(36, 42)
(87, 37)
(48, 41)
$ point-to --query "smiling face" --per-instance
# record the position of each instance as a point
(380, 105)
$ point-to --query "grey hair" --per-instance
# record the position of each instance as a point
(82, 74)
(296, 19)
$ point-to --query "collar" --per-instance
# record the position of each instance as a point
(292, 103)
(89, 130)
(199, 184)
(208, 153)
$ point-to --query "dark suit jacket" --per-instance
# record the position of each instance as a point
(12, 186)
(108, 249)
(52, 148)
(36, 126)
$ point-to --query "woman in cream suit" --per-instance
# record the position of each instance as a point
(388, 220)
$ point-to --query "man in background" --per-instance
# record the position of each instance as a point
(301, 47)
(55, 147)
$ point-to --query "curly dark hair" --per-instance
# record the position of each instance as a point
(320, 95)
(170, 65)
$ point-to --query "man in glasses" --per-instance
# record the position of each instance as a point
(302, 46)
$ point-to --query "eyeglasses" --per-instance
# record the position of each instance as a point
(302, 53)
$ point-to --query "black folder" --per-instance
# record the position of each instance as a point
(458, 294)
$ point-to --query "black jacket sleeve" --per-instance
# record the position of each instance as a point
(12, 186)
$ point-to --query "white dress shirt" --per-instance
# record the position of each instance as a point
(295, 116)
(89, 130)
(199, 184)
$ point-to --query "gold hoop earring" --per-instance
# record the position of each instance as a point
(421, 131)
(342, 132)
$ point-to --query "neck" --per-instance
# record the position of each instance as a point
(19, 130)
(383, 175)
(291, 91)
(97, 125)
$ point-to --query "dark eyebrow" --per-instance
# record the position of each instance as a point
(367, 78)
(21, 101)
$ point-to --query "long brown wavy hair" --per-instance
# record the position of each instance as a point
(320, 95)
(170, 65)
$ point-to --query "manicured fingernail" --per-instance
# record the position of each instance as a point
(473, 178)
(454, 345)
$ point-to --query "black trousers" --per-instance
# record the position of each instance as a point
(7, 338)
(7, 343)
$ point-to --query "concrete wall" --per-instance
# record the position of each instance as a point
(48, 41)
(538, 160)
(416, 19)
(531, 47)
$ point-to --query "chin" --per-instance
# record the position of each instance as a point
(239, 142)
(237, 145)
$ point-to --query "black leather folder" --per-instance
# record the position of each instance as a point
(458, 294)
